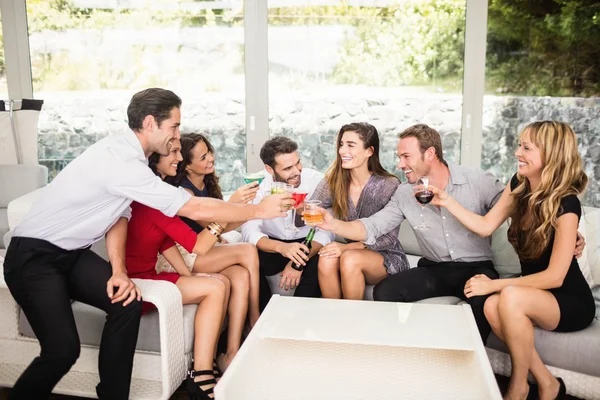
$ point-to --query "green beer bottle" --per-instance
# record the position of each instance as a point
(308, 243)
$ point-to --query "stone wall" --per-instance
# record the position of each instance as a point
(68, 126)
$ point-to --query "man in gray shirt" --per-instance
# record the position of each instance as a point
(49, 261)
(452, 253)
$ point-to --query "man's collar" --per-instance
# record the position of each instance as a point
(132, 139)
(456, 177)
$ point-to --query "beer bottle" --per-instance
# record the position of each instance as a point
(308, 243)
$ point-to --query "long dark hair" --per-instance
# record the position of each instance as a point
(211, 181)
(152, 161)
(338, 178)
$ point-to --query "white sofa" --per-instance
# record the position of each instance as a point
(573, 356)
(164, 347)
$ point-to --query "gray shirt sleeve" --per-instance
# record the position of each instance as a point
(380, 223)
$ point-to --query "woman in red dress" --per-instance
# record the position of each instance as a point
(151, 232)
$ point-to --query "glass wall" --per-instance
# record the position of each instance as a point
(392, 64)
(88, 62)
(542, 63)
(3, 87)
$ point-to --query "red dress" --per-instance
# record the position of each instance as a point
(148, 233)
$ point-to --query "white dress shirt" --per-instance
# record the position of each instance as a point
(90, 195)
(254, 230)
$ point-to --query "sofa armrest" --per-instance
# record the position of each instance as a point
(19, 207)
(167, 299)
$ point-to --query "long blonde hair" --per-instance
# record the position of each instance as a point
(338, 178)
(535, 213)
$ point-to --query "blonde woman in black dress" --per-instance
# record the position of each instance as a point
(541, 201)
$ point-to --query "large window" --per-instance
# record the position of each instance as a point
(88, 62)
(3, 87)
(392, 64)
(542, 63)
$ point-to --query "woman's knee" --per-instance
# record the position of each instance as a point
(240, 279)
(247, 253)
(328, 266)
(490, 308)
(218, 287)
(350, 264)
(511, 299)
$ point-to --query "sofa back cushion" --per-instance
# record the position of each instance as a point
(589, 262)
(408, 240)
(17, 180)
(505, 260)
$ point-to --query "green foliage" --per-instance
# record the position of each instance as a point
(541, 47)
(544, 48)
(413, 43)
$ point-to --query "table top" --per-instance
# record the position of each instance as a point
(431, 326)
(325, 349)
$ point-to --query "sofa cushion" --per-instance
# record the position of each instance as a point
(505, 260)
(17, 180)
(408, 240)
(90, 322)
(3, 225)
(589, 262)
(574, 351)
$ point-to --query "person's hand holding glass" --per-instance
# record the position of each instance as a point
(424, 195)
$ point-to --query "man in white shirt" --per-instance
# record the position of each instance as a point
(277, 247)
(49, 261)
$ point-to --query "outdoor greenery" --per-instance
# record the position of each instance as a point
(535, 47)
(544, 47)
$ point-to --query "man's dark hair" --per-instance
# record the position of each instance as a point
(275, 146)
(154, 101)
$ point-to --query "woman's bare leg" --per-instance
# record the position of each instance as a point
(548, 385)
(519, 308)
(329, 277)
(224, 256)
(238, 308)
(209, 294)
(357, 268)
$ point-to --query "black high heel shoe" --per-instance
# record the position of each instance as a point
(216, 370)
(194, 389)
(562, 391)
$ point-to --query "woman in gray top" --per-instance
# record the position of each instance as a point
(357, 186)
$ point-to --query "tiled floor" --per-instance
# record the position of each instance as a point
(181, 395)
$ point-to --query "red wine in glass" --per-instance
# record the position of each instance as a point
(424, 196)
(298, 198)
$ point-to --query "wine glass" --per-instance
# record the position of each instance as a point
(423, 196)
(289, 223)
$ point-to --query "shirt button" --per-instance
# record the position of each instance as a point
(447, 234)
(443, 217)
(451, 252)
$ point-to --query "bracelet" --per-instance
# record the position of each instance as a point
(215, 229)
(213, 232)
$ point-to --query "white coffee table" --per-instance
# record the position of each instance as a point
(338, 349)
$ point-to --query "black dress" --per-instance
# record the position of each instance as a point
(196, 227)
(574, 297)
